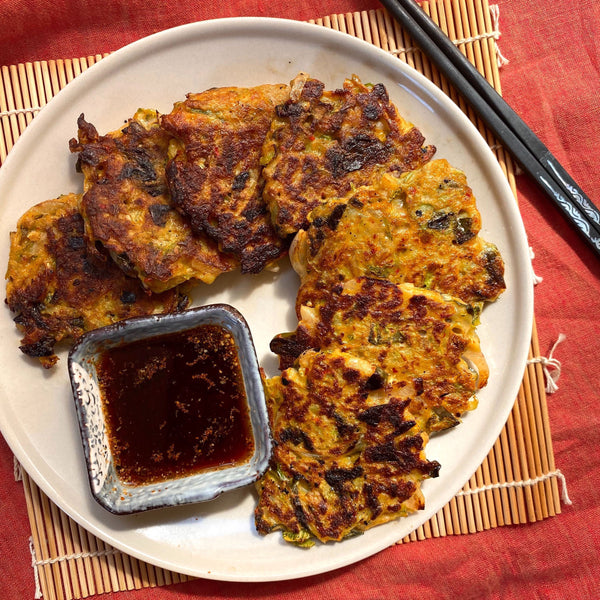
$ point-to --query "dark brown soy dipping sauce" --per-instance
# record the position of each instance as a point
(175, 405)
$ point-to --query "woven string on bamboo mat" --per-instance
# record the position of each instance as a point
(517, 482)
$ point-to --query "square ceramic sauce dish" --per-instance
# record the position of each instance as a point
(171, 408)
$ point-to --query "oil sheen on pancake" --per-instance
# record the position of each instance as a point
(126, 206)
(324, 144)
(420, 228)
(59, 288)
(215, 175)
(348, 454)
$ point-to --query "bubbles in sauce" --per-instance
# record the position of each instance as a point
(175, 405)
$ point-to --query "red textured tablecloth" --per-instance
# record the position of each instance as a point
(553, 81)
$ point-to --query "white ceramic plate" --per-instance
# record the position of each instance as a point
(217, 539)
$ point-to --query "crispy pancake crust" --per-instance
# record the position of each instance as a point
(421, 228)
(215, 176)
(59, 288)
(324, 144)
(126, 206)
(417, 338)
(347, 455)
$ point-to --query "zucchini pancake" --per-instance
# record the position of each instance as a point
(385, 240)
(126, 206)
(323, 144)
(420, 228)
(347, 455)
(418, 338)
(215, 175)
(59, 286)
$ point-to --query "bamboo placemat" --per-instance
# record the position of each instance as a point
(517, 482)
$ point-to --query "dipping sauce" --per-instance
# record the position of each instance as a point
(175, 405)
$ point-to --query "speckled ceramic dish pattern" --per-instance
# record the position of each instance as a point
(107, 487)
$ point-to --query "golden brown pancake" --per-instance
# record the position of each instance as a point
(127, 207)
(420, 228)
(347, 452)
(417, 338)
(324, 144)
(59, 287)
(215, 175)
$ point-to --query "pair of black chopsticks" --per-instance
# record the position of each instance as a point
(509, 128)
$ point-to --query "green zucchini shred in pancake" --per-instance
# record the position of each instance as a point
(60, 287)
(215, 176)
(325, 143)
(127, 208)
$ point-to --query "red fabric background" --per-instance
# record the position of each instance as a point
(553, 81)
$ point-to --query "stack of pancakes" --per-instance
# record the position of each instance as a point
(393, 277)
(384, 238)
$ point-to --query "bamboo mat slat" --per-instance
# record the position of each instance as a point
(517, 482)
